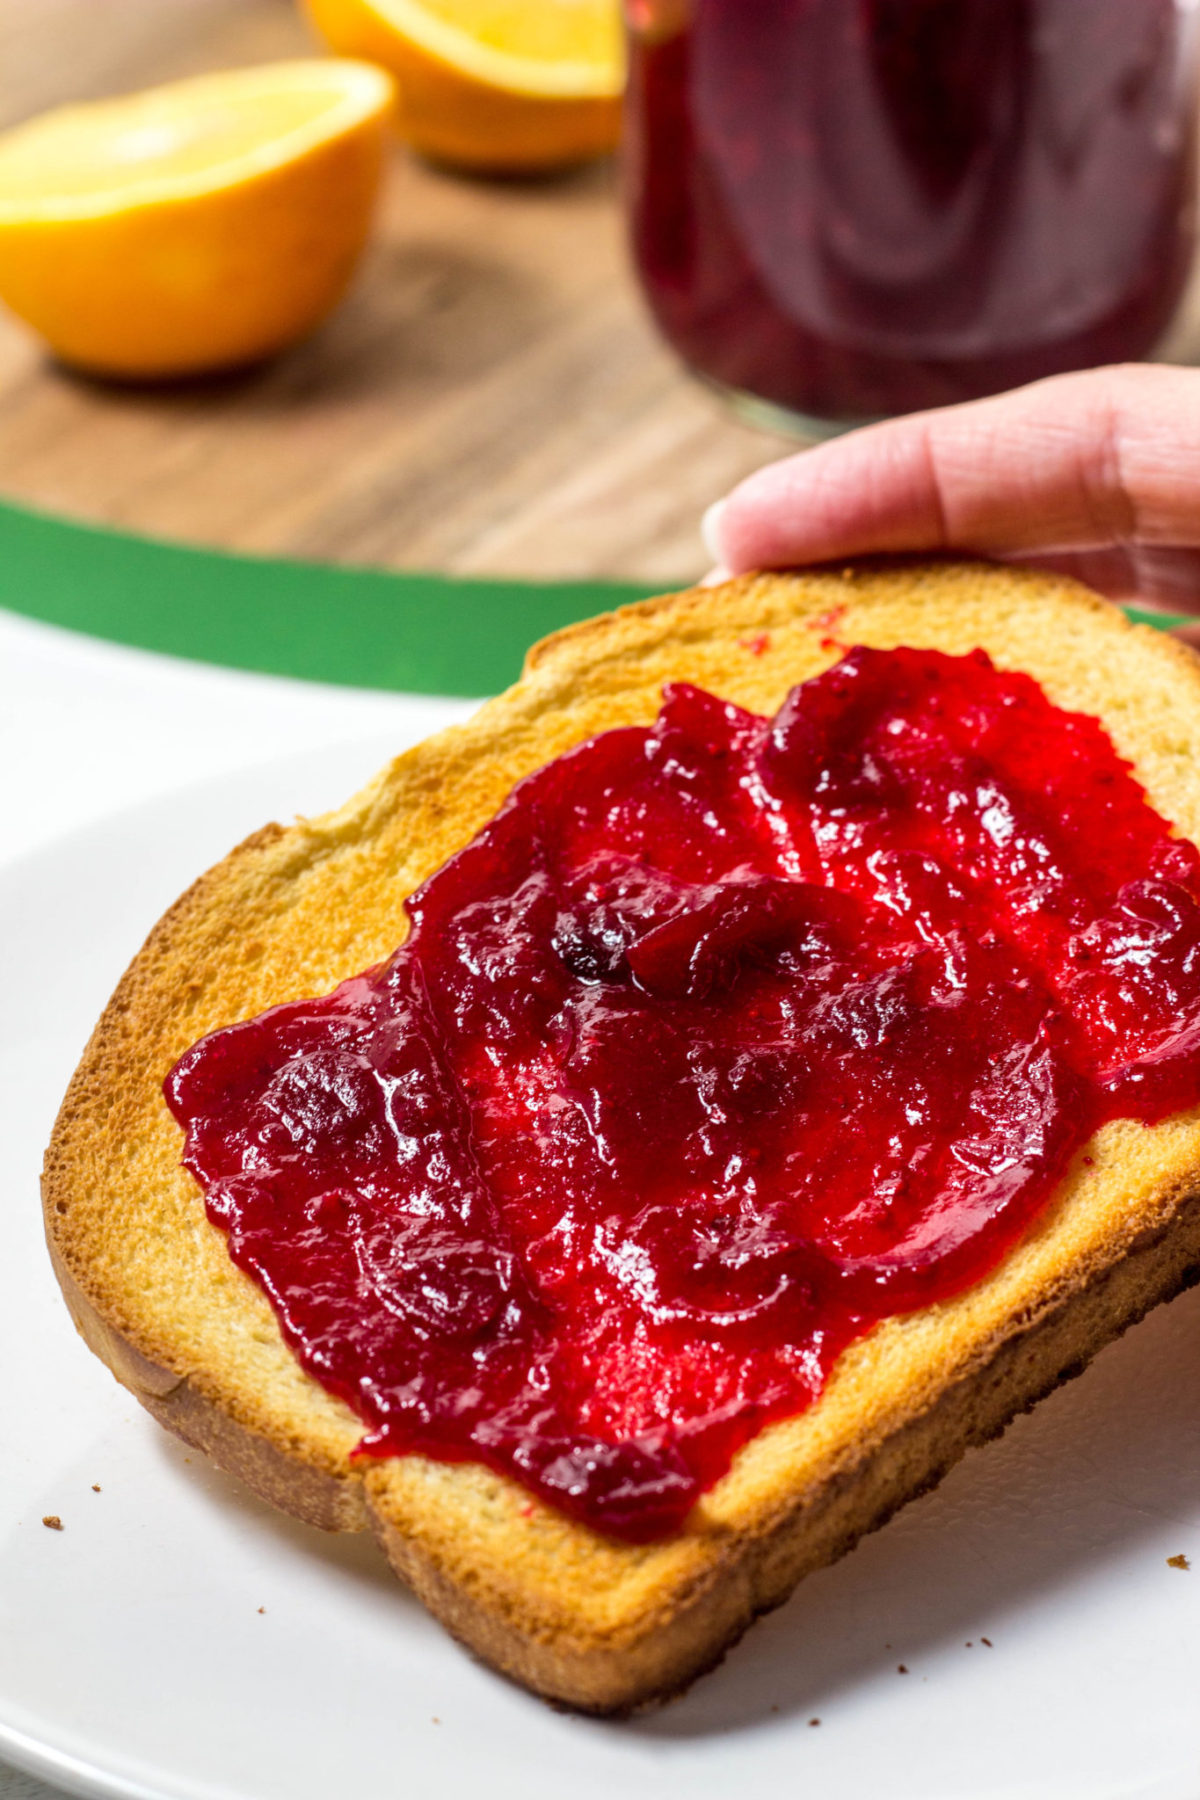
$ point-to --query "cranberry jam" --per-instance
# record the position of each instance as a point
(725, 1039)
(855, 207)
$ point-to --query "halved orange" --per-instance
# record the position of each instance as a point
(194, 226)
(494, 85)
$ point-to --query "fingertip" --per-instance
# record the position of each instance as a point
(762, 522)
(741, 529)
(710, 530)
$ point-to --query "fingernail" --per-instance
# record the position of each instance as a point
(710, 529)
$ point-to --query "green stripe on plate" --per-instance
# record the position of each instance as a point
(418, 633)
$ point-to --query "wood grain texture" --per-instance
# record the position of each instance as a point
(491, 397)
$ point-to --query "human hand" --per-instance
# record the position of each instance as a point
(1095, 474)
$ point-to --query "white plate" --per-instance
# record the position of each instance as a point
(178, 1639)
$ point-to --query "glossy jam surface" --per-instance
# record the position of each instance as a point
(725, 1039)
(858, 207)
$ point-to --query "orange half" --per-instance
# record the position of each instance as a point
(197, 225)
(492, 84)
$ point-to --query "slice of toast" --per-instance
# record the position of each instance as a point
(581, 1619)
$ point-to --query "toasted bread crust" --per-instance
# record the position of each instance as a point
(584, 1621)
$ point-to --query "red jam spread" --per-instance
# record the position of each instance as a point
(725, 1039)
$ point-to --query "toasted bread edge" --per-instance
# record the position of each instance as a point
(732, 1568)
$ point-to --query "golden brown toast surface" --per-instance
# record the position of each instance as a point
(290, 913)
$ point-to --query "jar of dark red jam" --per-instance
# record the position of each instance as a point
(843, 209)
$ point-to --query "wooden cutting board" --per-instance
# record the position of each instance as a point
(491, 397)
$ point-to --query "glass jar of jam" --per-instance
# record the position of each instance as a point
(843, 209)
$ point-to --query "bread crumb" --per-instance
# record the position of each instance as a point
(262, 1609)
(970, 1646)
(52, 1522)
(814, 1721)
(437, 1721)
(900, 1669)
(95, 1487)
(1178, 1562)
(986, 1641)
